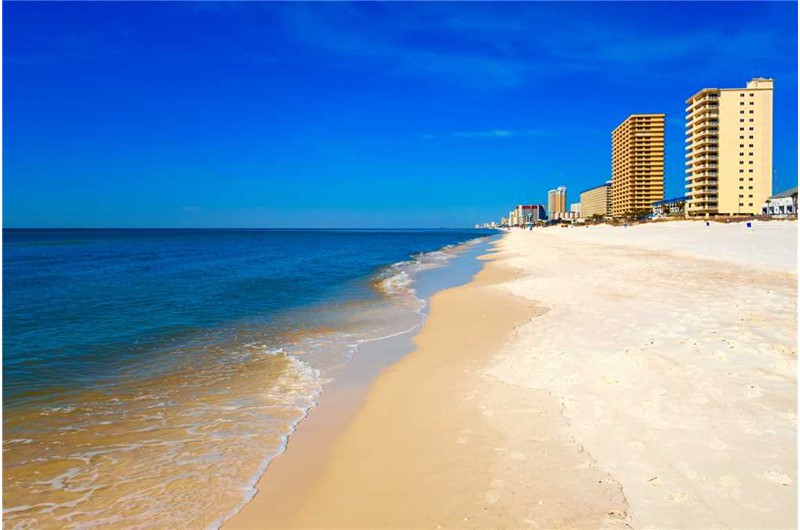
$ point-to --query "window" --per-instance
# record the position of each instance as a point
(750, 137)
(741, 128)
(741, 188)
(751, 119)
(750, 188)
(750, 112)
(750, 162)
(741, 154)
(740, 204)
(741, 145)
(751, 128)
(741, 120)
(741, 112)
(741, 197)
(741, 161)
(741, 95)
(750, 154)
(750, 204)
(750, 197)
(741, 103)
(752, 103)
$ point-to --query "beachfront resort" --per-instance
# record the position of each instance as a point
(729, 172)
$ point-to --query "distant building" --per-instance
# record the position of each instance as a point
(637, 164)
(729, 149)
(526, 214)
(575, 209)
(596, 201)
(783, 204)
(556, 202)
(564, 216)
(670, 207)
(504, 221)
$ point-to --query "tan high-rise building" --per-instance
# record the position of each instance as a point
(729, 149)
(637, 164)
(596, 201)
(556, 202)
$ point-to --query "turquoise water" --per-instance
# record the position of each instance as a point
(150, 375)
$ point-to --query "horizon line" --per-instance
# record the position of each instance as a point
(240, 228)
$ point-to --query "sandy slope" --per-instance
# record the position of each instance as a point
(641, 376)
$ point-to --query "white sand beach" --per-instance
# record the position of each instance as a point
(674, 357)
(588, 377)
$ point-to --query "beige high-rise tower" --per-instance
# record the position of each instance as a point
(729, 149)
(557, 202)
(637, 164)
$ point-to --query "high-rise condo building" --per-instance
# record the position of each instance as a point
(729, 149)
(637, 164)
(596, 201)
(556, 202)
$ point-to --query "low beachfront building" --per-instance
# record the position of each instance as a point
(596, 201)
(575, 209)
(564, 216)
(781, 205)
(526, 214)
(670, 208)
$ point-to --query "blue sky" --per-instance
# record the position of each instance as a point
(355, 114)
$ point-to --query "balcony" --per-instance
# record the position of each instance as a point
(704, 147)
(704, 187)
(706, 124)
(709, 97)
(703, 178)
(700, 162)
(706, 172)
(695, 158)
(706, 110)
(710, 134)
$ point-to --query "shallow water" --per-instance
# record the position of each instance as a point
(150, 376)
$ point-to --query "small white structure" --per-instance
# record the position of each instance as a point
(783, 204)
(669, 207)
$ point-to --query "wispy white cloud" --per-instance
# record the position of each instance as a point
(494, 133)
(507, 133)
(513, 45)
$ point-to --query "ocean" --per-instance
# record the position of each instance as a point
(149, 376)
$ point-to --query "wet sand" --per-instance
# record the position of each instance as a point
(582, 380)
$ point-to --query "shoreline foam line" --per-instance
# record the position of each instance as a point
(273, 513)
(419, 263)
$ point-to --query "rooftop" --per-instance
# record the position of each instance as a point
(668, 201)
(600, 186)
(785, 193)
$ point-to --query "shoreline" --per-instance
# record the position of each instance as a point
(333, 476)
(218, 403)
(342, 395)
(609, 385)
